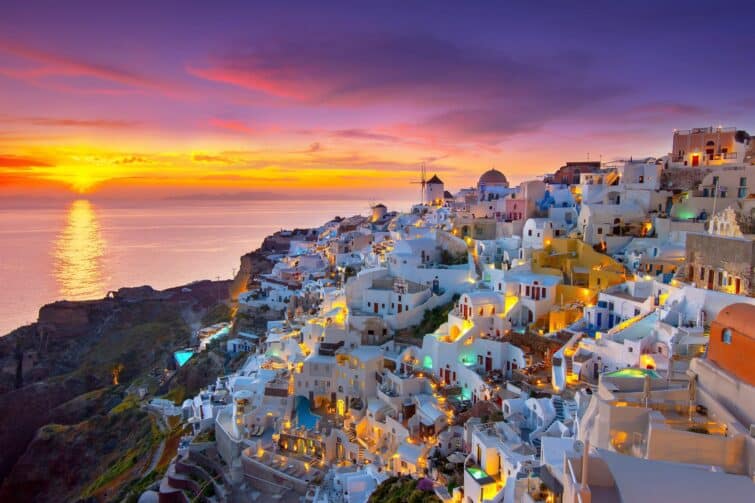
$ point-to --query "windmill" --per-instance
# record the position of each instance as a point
(423, 182)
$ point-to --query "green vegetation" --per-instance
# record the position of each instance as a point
(217, 314)
(130, 402)
(177, 394)
(135, 346)
(448, 258)
(433, 318)
(131, 492)
(402, 490)
(205, 436)
(137, 435)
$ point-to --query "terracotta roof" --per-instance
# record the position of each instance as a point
(738, 317)
(492, 176)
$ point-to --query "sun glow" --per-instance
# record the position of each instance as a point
(79, 253)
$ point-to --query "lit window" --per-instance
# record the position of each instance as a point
(726, 336)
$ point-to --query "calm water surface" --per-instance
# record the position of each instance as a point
(83, 249)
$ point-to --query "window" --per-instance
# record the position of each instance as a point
(741, 192)
(726, 336)
(630, 349)
(600, 230)
(529, 232)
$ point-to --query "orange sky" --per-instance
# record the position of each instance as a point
(123, 101)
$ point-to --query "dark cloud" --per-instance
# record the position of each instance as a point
(134, 159)
(468, 89)
(363, 134)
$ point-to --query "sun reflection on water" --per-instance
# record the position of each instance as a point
(79, 254)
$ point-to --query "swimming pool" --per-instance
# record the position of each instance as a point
(304, 415)
(634, 373)
(220, 333)
(183, 356)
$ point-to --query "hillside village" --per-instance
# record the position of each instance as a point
(583, 337)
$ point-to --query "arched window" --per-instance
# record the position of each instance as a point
(726, 336)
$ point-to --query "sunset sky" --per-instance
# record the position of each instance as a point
(154, 99)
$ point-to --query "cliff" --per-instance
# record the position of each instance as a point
(76, 430)
(252, 265)
(63, 376)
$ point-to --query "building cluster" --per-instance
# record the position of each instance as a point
(585, 337)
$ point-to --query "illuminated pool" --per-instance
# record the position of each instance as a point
(220, 333)
(304, 415)
(479, 475)
(183, 356)
(633, 373)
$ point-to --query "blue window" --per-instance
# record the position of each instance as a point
(726, 336)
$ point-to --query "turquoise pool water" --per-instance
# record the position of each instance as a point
(182, 357)
(634, 373)
(479, 475)
(220, 333)
(304, 415)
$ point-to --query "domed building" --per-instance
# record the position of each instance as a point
(492, 178)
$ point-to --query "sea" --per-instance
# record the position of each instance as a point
(81, 249)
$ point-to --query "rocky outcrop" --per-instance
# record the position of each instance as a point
(252, 265)
(86, 459)
(32, 407)
(69, 319)
(77, 348)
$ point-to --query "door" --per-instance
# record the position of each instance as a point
(737, 285)
(695, 160)
(375, 307)
(488, 364)
(400, 308)
(599, 321)
(710, 279)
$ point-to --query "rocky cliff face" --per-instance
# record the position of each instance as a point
(252, 265)
(68, 319)
(73, 366)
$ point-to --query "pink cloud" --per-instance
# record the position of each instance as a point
(230, 125)
(53, 66)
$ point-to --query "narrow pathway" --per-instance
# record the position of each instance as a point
(161, 448)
